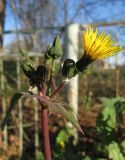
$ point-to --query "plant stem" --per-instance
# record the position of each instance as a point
(60, 87)
(51, 76)
(45, 132)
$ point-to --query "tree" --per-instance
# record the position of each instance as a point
(2, 17)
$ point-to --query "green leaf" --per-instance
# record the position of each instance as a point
(40, 155)
(14, 100)
(67, 114)
(87, 158)
(122, 145)
(120, 110)
(109, 117)
(111, 113)
(114, 152)
(109, 102)
(61, 137)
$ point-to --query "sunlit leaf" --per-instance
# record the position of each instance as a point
(67, 114)
(114, 152)
(40, 156)
(112, 101)
(62, 138)
(110, 119)
(112, 112)
(122, 145)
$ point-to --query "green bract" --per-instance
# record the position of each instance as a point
(36, 76)
(28, 69)
(54, 51)
(41, 72)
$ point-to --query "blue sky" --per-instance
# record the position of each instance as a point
(9, 24)
(94, 11)
(113, 10)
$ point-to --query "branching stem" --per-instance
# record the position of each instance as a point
(44, 122)
(61, 86)
(45, 131)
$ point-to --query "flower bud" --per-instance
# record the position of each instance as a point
(41, 72)
(28, 69)
(69, 68)
(54, 51)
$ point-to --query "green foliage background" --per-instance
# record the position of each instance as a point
(110, 134)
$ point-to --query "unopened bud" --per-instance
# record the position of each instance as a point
(69, 68)
(41, 72)
(54, 51)
(28, 69)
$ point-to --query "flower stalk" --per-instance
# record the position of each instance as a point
(60, 87)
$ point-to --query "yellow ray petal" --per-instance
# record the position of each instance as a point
(98, 46)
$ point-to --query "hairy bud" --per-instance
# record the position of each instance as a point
(54, 51)
(28, 69)
(69, 68)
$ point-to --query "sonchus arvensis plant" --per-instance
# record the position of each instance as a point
(96, 47)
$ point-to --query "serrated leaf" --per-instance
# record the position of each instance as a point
(67, 114)
(111, 113)
(14, 100)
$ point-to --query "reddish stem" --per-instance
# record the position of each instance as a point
(44, 119)
(45, 131)
(61, 86)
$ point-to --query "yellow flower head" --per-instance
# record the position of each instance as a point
(96, 47)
